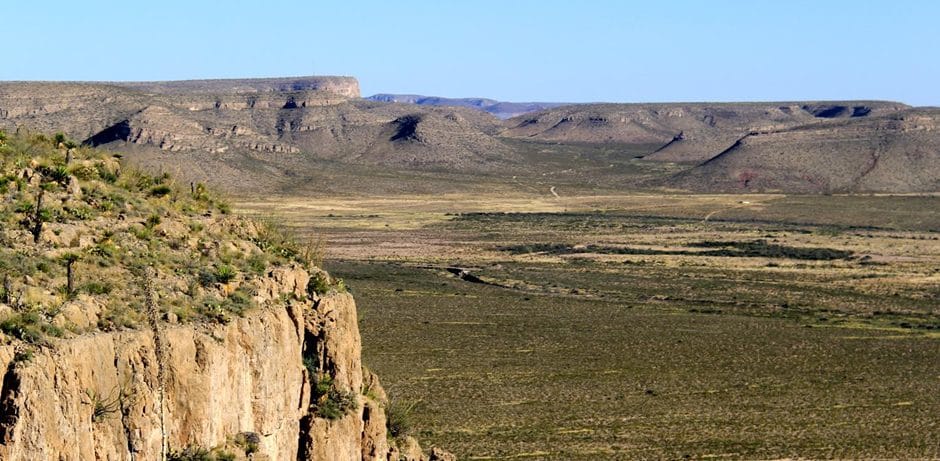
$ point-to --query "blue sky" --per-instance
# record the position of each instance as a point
(517, 50)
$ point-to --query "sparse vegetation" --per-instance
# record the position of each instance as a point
(399, 416)
(330, 402)
(107, 405)
(574, 342)
(87, 216)
(31, 326)
(201, 454)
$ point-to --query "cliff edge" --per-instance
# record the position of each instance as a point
(141, 321)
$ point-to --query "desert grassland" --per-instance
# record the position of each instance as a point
(625, 326)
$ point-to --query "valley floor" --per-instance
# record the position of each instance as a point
(646, 326)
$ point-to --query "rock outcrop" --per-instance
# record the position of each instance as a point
(98, 396)
(140, 321)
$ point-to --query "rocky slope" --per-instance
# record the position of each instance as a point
(262, 131)
(687, 132)
(139, 320)
(897, 153)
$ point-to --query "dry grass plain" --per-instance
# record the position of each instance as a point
(647, 326)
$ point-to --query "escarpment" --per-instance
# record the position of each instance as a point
(139, 320)
(240, 126)
(98, 396)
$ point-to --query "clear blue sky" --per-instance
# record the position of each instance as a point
(517, 50)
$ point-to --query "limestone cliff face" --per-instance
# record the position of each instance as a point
(101, 396)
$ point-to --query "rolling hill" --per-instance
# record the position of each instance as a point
(898, 153)
(687, 133)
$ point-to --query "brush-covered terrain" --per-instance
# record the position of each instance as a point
(82, 234)
(641, 326)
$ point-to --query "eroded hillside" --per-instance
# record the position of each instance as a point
(258, 133)
(687, 133)
(897, 153)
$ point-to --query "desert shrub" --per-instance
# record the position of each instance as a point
(24, 355)
(5, 182)
(223, 206)
(80, 213)
(206, 278)
(106, 174)
(225, 273)
(330, 402)
(194, 453)
(161, 190)
(274, 239)
(214, 310)
(153, 221)
(97, 288)
(398, 414)
(30, 327)
(311, 364)
(105, 249)
(257, 264)
(106, 406)
(84, 172)
(248, 442)
(237, 303)
(120, 316)
(55, 173)
(319, 284)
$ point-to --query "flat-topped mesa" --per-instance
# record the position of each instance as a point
(342, 86)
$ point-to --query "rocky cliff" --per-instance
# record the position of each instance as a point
(139, 321)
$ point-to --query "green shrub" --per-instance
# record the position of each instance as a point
(152, 221)
(193, 453)
(398, 416)
(30, 327)
(104, 249)
(319, 284)
(258, 264)
(248, 442)
(84, 172)
(79, 213)
(225, 273)
(56, 173)
(120, 316)
(206, 278)
(97, 288)
(330, 402)
(105, 174)
(237, 303)
(161, 190)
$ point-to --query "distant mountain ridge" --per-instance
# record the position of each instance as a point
(267, 134)
(500, 109)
